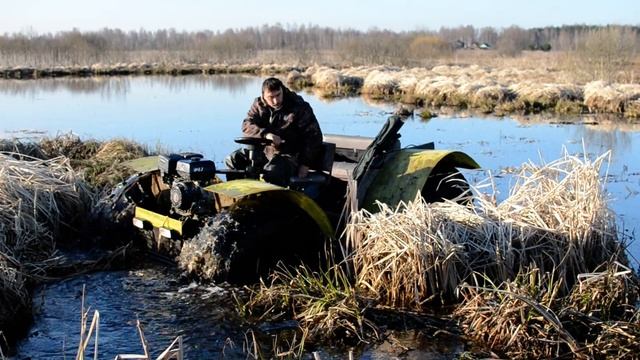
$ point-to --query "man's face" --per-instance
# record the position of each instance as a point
(273, 98)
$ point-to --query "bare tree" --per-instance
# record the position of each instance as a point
(513, 40)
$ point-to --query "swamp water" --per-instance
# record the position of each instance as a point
(203, 114)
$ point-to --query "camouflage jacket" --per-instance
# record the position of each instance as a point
(294, 122)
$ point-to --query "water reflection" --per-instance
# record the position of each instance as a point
(234, 84)
(109, 87)
(151, 295)
(106, 87)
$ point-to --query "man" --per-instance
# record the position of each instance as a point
(283, 117)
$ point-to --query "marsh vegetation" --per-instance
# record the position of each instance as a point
(542, 273)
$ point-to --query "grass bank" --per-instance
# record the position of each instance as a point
(485, 89)
(479, 81)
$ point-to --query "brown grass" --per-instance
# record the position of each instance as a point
(483, 80)
(39, 199)
(333, 83)
(516, 318)
(528, 318)
(555, 218)
(324, 303)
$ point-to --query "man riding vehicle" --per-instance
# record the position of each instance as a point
(291, 130)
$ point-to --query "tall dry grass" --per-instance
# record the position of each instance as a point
(555, 218)
(527, 317)
(484, 88)
(37, 198)
(540, 274)
(39, 201)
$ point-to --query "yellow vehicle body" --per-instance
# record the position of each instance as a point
(405, 174)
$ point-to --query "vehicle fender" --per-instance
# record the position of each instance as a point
(238, 189)
(143, 164)
(404, 174)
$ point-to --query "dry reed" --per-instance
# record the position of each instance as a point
(324, 304)
(407, 256)
(528, 318)
(36, 198)
(556, 217)
(516, 318)
(39, 199)
(332, 83)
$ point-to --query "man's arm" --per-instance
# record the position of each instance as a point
(252, 125)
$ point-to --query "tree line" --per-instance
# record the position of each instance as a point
(305, 44)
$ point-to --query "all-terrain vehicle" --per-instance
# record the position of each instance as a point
(238, 229)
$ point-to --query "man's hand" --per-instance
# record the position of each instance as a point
(303, 171)
(277, 140)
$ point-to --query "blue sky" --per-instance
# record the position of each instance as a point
(51, 16)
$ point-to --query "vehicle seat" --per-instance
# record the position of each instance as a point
(320, 173)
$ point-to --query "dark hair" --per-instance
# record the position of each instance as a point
(272, 84)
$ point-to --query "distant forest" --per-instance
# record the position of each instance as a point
(307, 44)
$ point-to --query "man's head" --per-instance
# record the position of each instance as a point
(273, 92)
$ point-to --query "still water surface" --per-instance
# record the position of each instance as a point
(203, 114)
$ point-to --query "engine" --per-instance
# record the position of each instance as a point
(187, 174)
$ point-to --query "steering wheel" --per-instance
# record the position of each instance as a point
(254, 141)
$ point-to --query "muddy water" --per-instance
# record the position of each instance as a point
(203, 114)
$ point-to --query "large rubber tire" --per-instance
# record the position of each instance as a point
(245, 243)
(446, 184)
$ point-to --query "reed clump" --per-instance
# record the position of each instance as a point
(529, 318)
(329, 82)
(604, 97)
(407, 256)
(325, 304)
(380, 84)
(40, 200)
(516, 318)
(540, 274)
(555, 218)
(486, 89)
(98, 162)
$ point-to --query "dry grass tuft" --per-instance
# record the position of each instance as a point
(36, 198)
(605, 97)
(538, 97)
(39, 200)
(556, 218)
(104, 170)
(527, 317)
(610, 294)
(297, 80)
(380, 84)
(331, 82)
(500, 90)
(516, 317)
(407, 256)
(632, 109)
(69, 145)
(324, 304)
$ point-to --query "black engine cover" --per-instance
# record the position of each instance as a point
(167, 163)
(196, 169)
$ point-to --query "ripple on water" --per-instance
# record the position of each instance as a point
(203, 315)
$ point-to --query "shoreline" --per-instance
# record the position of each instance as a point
(499, 91)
